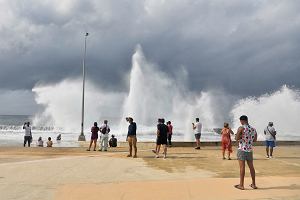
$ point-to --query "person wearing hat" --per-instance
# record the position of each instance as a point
(131, 137)
(105, 130)
(270, 136)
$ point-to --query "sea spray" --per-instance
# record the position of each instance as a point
(281, 107)
(62, 103)
(153, 94)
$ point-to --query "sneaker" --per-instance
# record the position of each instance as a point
(135, 156)
(154, 151)
(129, 155)
(156, 156)
(271, 157)
(197, 148)
(267, 156)
(87, 150)
(165, 157)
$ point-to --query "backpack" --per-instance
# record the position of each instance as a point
(104, 130)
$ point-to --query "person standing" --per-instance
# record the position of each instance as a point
(245, 136)
(197, 129)
(94, 136)
(270, 136)
(162, 137)
(226, 140)
(131, 137)
(28, 135)
(170, 133)
(104, 129)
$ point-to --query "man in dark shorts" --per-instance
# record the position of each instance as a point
(245, 136)
(162, 137)
(28, 134)
(94, 136)
(197, 127)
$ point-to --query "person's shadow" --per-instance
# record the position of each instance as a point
(290, 187)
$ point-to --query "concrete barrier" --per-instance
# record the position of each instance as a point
(192, 144)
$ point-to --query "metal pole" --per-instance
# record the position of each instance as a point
(82, 136)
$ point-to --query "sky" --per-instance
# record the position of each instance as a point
(246, 48)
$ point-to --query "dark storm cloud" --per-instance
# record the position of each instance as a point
(246, 47)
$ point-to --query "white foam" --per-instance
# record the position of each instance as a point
(154, 94)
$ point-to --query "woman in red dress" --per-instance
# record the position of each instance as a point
(226, 140)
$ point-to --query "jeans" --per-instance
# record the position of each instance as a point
(103, 142)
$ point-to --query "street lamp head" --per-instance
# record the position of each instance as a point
(86, 34)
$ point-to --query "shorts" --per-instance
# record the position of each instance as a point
(270, 143)
(243, 155)
(132, 140)
(161, 140)
(198, 136)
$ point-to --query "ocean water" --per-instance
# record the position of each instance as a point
(151, 94)
(12, 134)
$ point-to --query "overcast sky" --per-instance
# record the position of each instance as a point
(244, 47)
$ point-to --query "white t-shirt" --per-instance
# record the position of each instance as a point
(40, 143)
(198, 127)
(27, 130)
(268, 136)
(107, 128)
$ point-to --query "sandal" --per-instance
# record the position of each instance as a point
(239, 187)
(253, 186)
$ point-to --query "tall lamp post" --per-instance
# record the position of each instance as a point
(82, 136)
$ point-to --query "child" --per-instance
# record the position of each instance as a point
(49, 142)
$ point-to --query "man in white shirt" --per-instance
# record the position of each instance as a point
(197, 129)
(104, 129)
(27, 136)
(270, 136)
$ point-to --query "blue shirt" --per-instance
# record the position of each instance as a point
(132, 129)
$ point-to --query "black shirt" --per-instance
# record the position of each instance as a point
(163, 130)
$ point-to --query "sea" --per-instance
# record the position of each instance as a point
(12, 133)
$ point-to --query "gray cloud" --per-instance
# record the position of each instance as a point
(245, 47)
